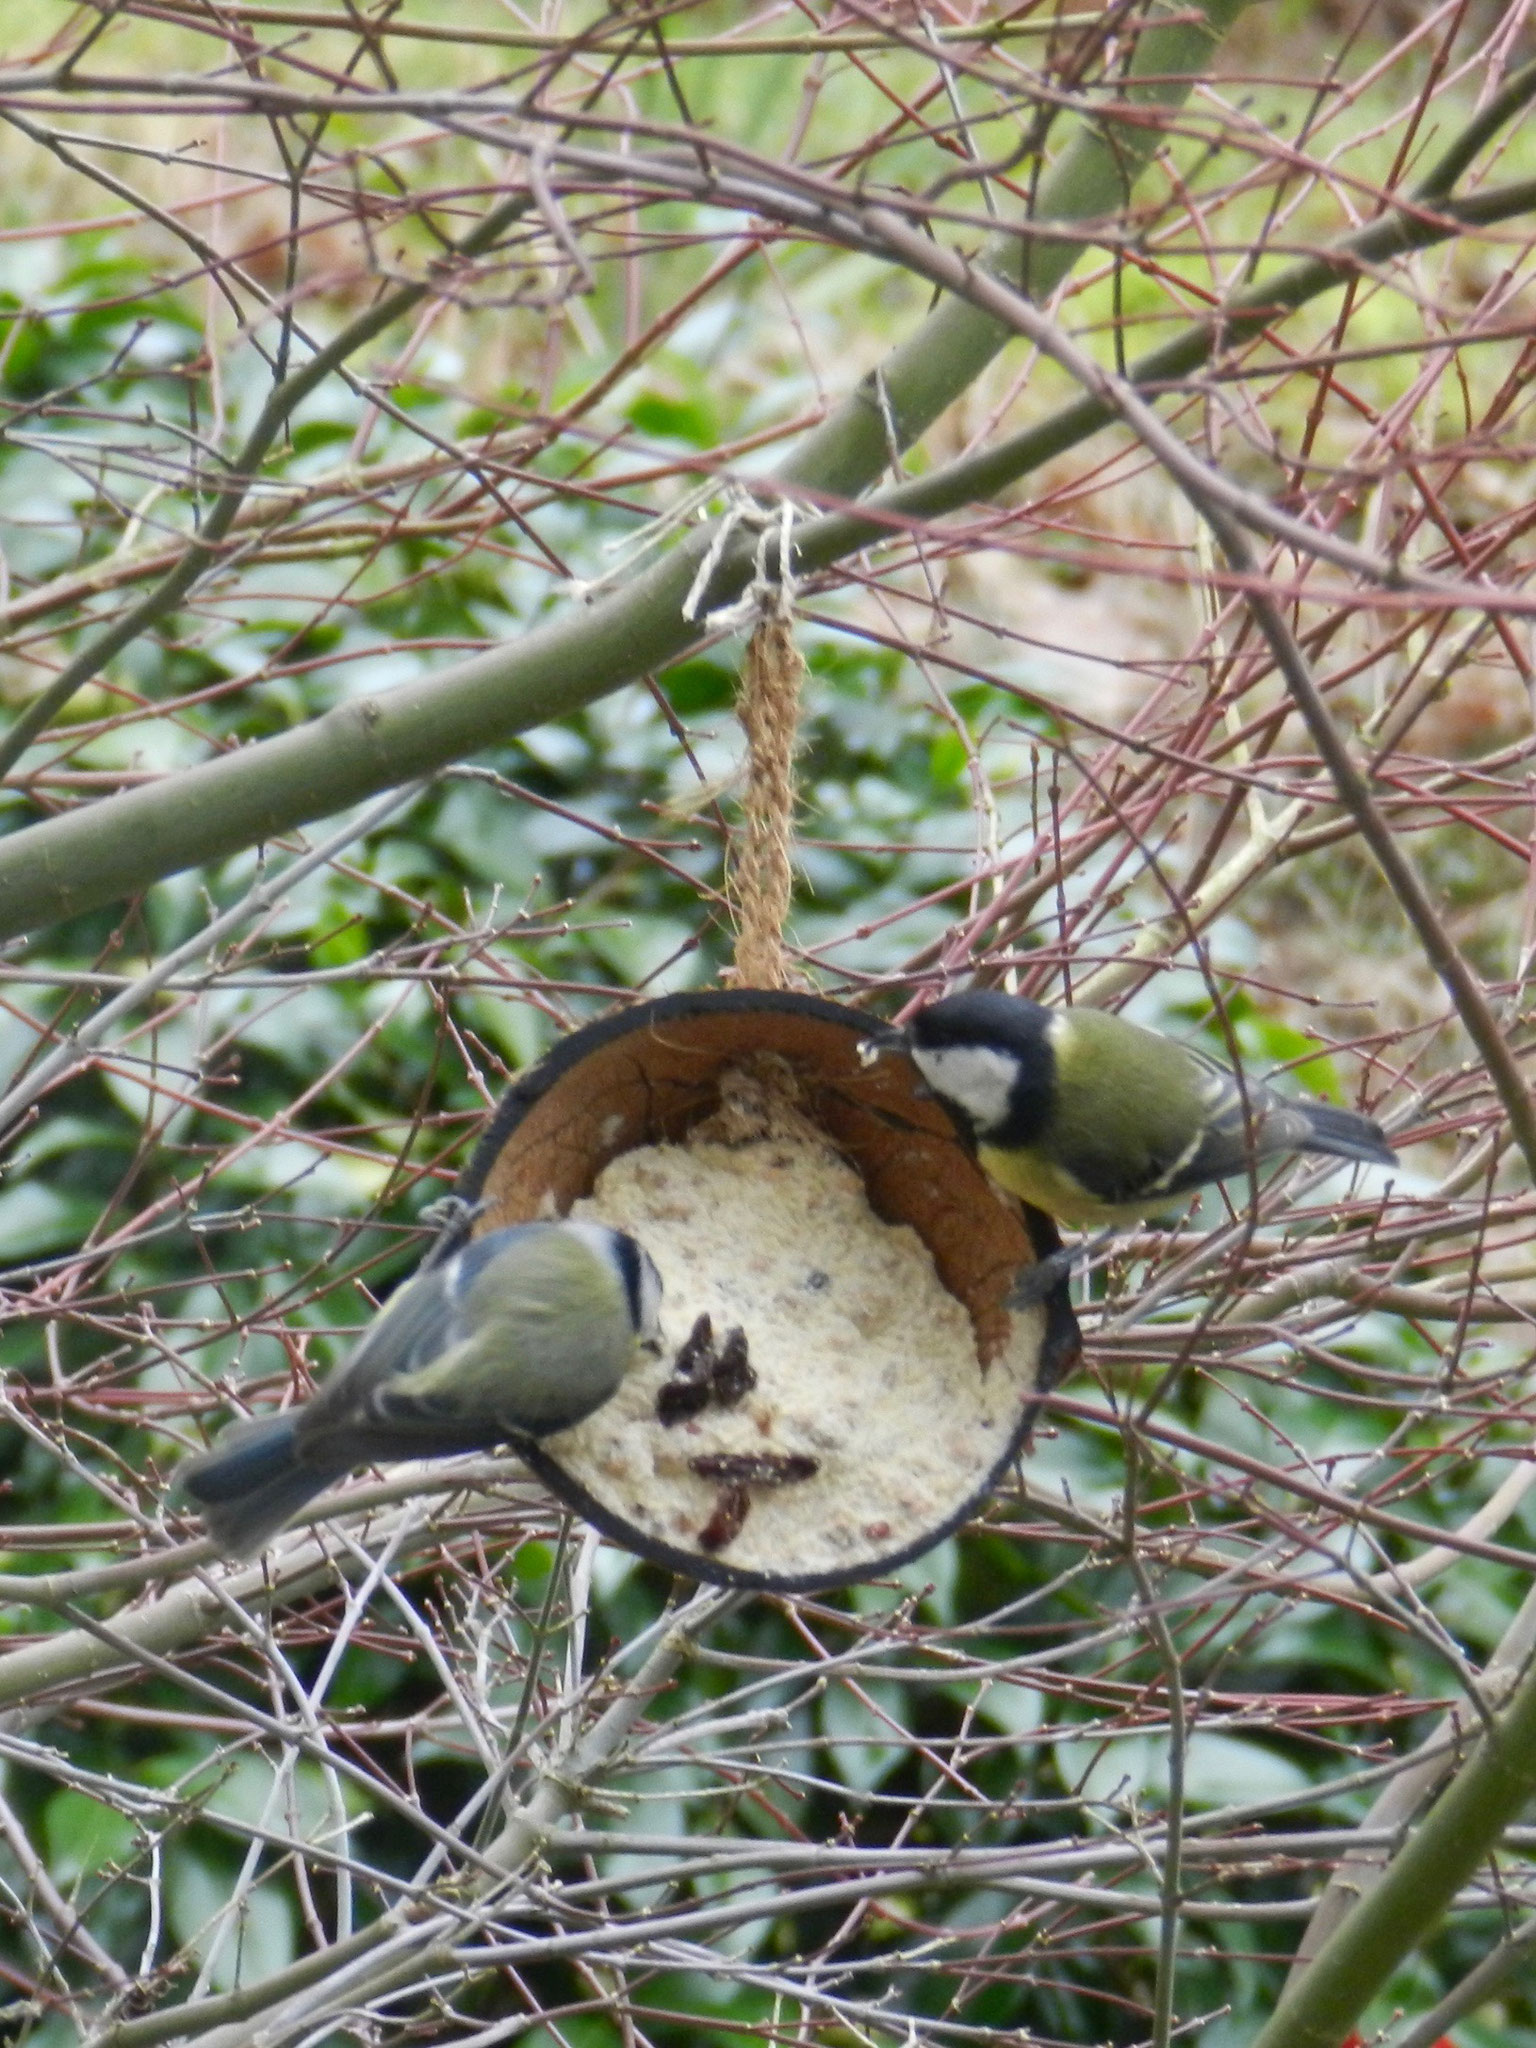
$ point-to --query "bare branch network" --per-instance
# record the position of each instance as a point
(1149, 387)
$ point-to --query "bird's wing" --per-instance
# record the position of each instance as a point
(417, 1323)
(1241, 1125)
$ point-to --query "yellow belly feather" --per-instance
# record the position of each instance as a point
(1059, 1193)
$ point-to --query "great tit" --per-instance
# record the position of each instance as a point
(522, 1332)
(1098, 1121)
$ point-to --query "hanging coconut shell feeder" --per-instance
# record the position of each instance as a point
(842, 1381)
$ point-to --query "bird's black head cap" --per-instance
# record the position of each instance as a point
(988, 1022)
(983, 1016)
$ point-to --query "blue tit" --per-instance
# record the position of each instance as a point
(1098, 1121)
(523, 1332)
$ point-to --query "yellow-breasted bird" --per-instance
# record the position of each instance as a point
(1099, 1121)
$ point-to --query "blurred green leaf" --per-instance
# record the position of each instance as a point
(84, 1835)
(234, 1944)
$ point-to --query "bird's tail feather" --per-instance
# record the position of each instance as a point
(251, 1483)
(1346, 1134)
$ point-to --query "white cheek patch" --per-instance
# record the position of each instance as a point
(977, 1079)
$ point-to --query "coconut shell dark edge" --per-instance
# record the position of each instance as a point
(692, 1564)
(1060, 1348)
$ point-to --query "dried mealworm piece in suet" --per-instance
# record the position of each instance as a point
(732, 1506)
(691, 1388)
(756, 1468)
(732, 1377)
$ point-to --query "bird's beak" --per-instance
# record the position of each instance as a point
(883, 1039)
